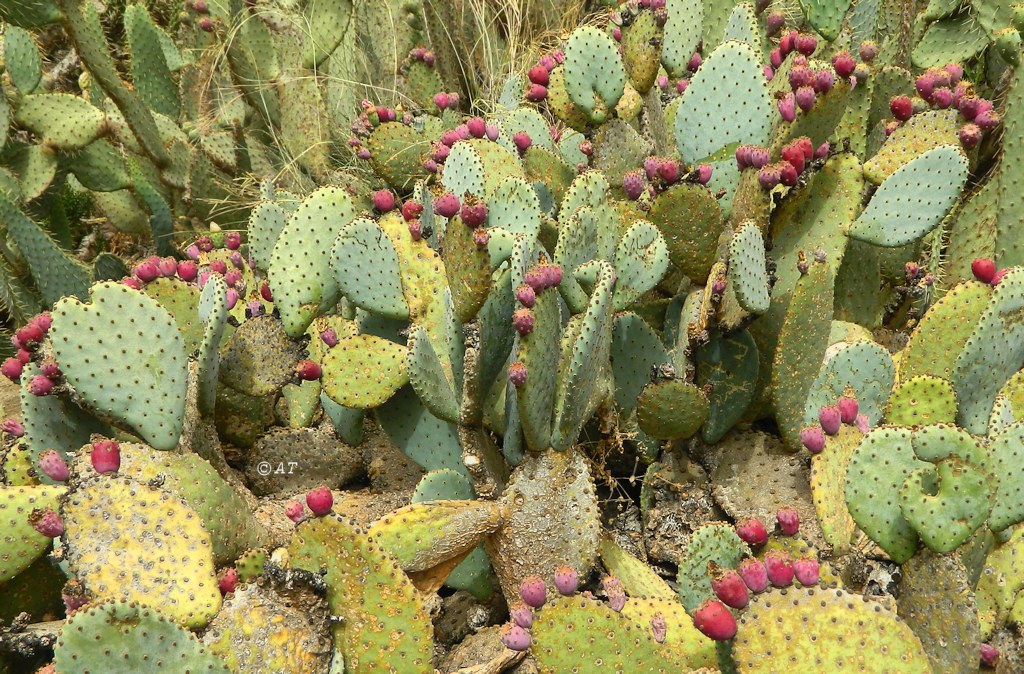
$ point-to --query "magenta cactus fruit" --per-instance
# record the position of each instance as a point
(830, 419)
(521, 615)
(205, 24)
(415, 229)
(536, 93)
(265, 292)
(12, 369)
(526, 296)
(187, 270)
(517, 374)
(868, 50)
(669, 171)
(754, 574)
(999, 276)
(522, 141)
(411, 210)
(769, 177)
(539, 75)
(12, 428)
(715, 621)
(491, 131)
(805, 44)
(514, 637)
(446, 205)
(793, 154)
(800, 76)
(695, 62)
(969, 135)
(105, 456)
(788, 520)
(320, 500)
(806, 570)
(752, 531)
(822, 150)
(166, 266)
(442, 100)
(227, 580)
(566, 580)
(901, 107)
(779, 568)
(987, 120)
(40, 385)
(651, 165)
(232, 278)
(824, 80)
(813, 438)
(848, 409)
(146, 271)
(775, 58)
(477, 127)
(231, 298)
(612, 587)
(984, 269)
(843, 63)
(970, 106)
(219, 267)
(473, 212)
(53, 466)
(633, 184)
(253, 308)
(49, 368)
(295, 511)
(46, 522)
(773, 23)
(805, 98)
(523, 321)
(787, 106)
(704, 173)
(329, 337)
(989, 655)
(533, 591)
(729, 587)
(383, 200)
(308, 370)
(942, 98)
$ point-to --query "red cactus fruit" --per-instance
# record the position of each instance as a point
(533, 591)
(12, 428)
(989, 655)
(843, 63)
(105, 456)
(473, 212)
(984, 269)
(477, 127)
(187, 270)
(788, 520)
(848, 409)
(902, 107)
(227, 580)
(411, 210)
(539, 75)
(752, 531)
(536, 93)
(514, 637)
(779, 567)
(415, 229)
(46, 522)
(320, 500)
(526, 296)
(219, 267)
(40, 385)
(308, 370)
(523, 321)
(969, 135)
(265, 292)
(754, 574)
(805, 98)
(517, 374)
(566, 580)
(446, 205)
(522, 141)
(729, 587)
(806, 570)
(295, 511)
(813, 438)
(704, 173)
(715, 621)
(12, 369)
(633, 184)
(830, 419)
(794, 155)
(521, 615)
(383, 200)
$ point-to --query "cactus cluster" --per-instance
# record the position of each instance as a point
(694, 267)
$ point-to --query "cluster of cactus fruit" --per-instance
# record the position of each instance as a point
(780, 240)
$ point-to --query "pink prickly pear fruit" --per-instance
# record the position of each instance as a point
(824, 80)
(192, 252)
(517, 374)
(862, 423)
(526, 296)
(662, 82)
(441, 153)
(800, 76)
(446, 205)
(788, 520)
(554, 273)
(539, 75)
(752, 531)
(987, 120)
(942, 98)
(253, 309)
(715, 621)
(233, 278)
(227, 580)
(794, 155)
(24, 356)
(651, 166)
(12, 428)
(53, 466)
(231, 299)
(204, 243)
(787, 107)
(547, 62)
(681, 86)
(830, 419)
(695, 62)
(970, 106)
(729, 587)
(969, 135)
(984, 269)
(822, 150)
(219, 267)
(411, 210)
(759, 156)
(807, 571)
(769, 72)
(779, 567)
(49, 368)
(491, 131)
(167, 267)
(383, 200)
(522, 141)
(515, 638)
(533, 591)
(775, 58)
(131, 282)
(955, 70)
(308, 370)
(788, 175)
(754, 574)
(29, 335)
(477, 127)
(364, 153)
(236, 259)
(901, 107)
(265, 292)
(989, 655)
(295, 511)
(523, 321)
(805, 98)
(743, 156)
(559, 56)
(704, 173)
(44, 321)
(669, 171)
(633, 184)
(805, 44)
(813, 438)
(12, 369)
(232, 240)
(925, 85)
(146, 272)
(40, 385)
(46, 522)
(536, 93)
(442, 100)
(473, 212)
(999, 276)
(586, 148)
(105, 456)
(848, 409)
(769, 177)
(320, 500)
(612, 587)
(481, 237)
(566, 580)
(201, 7)
(187, 270)
(521, 615)
(205, 24)
(617, 34)
(462, 131)
(329, 337)
(773, 23)
(868, 50)
(843, 63)
(659, 628)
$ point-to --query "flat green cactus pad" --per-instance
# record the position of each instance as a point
(594, 74)
(682, 34)
(126, 540)
(367, 269)
(910, 140)
(715, 542)
(865, 367)
(747, 269)
(362, 579)
(729, 365)
(828, 483)
(20, 544)
(135, 638)
(920, 401)
(671, 409)
(64, 121)
(124, 356)
(785, 630)
(364, 371)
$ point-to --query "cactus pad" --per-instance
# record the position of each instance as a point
(64, 121)
(729, 365)
(20, 544)
(910, 140)
(367, 269)
(135, 638)
(129, 541)
(801, 625)
(125, 358)
(920, 401)
(828, 483)
(716, 543)
(364, 371)
(865, 367)
(671, 410)
(594, 74)
(747, 269)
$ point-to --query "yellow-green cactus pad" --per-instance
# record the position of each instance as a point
(20, 544)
